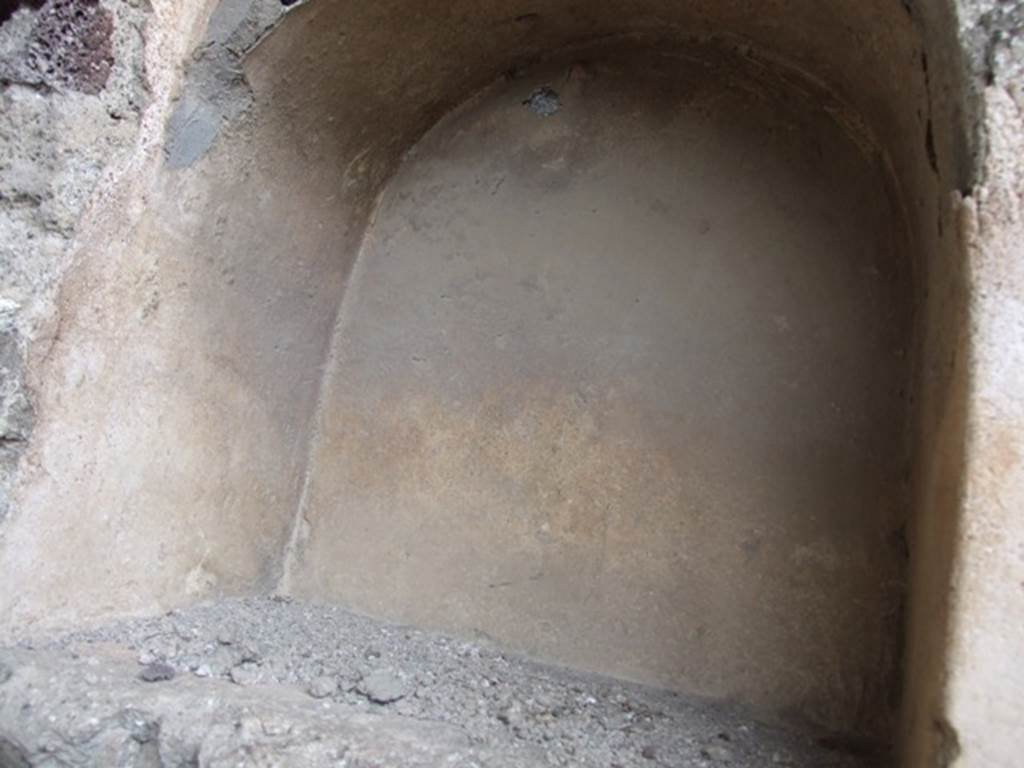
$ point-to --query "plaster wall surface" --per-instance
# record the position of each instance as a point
(624, 386)
(175, 373)
(192, 348)
(177, 387)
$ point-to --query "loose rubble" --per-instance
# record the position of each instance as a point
(323, 687)
(156, 672)
(244, 681)
(382, 687)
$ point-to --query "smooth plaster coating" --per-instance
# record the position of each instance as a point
(625, 387)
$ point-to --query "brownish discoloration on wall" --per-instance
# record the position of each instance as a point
(616, 390)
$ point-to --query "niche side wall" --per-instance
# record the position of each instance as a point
(175, 396)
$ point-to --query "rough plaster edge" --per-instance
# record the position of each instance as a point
(215, 91)
(988, 69)
(977, 708)
(115, 202)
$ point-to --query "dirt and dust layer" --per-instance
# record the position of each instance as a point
(271, 681)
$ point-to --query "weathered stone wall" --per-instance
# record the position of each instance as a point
(984, 717)
(71, 101)
(957, 707)
(85, 90)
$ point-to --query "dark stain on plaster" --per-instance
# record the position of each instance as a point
(929, 131)
(929, 146)
(192, 129)
(544, 101)
(216, 91)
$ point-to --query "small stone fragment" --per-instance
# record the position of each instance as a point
(322, 687)
(221, 661)
(382, 687)
(246, 673)
(717, 752)
(156, 672)
(512, 715)
(648, 753)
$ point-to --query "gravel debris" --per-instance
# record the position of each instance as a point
(322, 687)
(382, 687)
(515, 707)
(156, 673)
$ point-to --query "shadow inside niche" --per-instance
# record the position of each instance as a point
(8, 7)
